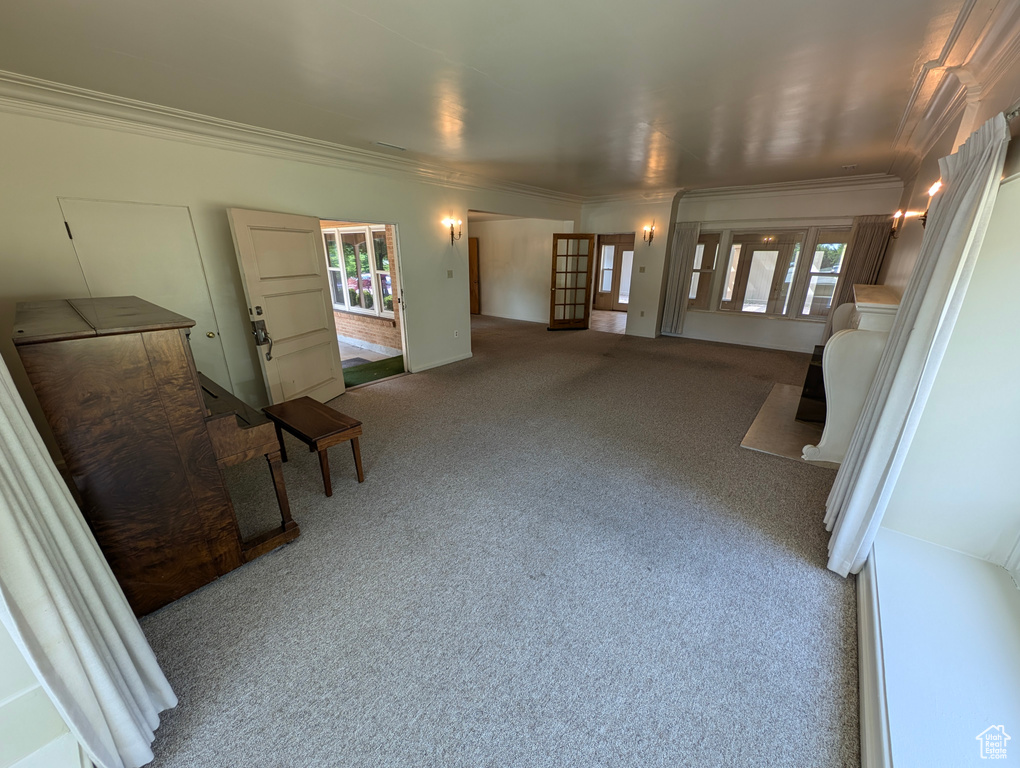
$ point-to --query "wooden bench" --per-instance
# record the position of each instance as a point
(319, 427)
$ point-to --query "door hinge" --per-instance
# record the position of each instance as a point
(68, 228)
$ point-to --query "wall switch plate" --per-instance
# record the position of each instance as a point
(640, 269)
(456, 334)
(449, 273)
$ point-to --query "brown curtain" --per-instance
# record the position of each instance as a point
(864, 253)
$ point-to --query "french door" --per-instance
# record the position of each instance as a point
(570, 291)
(615, 264)
(760, 272)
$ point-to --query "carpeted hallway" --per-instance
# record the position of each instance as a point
(560, 556)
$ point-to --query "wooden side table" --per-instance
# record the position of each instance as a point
(319, 427)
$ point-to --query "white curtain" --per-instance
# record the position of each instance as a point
(63, 607)
(685, 242)
(956, 226)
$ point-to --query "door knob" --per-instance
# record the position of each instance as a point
(211, 335)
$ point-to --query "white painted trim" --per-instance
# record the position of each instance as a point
(20, 94)
(740, 226)
(439, 363)
(876, 743)
(873, 181)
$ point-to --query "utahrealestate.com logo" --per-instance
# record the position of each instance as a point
(993, 742)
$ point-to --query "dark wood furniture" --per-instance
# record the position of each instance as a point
(239, 433)
(118, 385)
(319, 427)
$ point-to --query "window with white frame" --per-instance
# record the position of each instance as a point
(823, 271)
(705, 254)
(766, 274)
(359, 269)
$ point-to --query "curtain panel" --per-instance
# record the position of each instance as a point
(869, 239)
(957, 221)
(685, 242)
(63, 607)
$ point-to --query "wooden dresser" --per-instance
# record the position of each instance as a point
(117, 382)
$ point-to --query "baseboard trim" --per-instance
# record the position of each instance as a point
(876, 745)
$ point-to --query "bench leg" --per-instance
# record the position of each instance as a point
(324, 466)
(279, 437)
(357, 459)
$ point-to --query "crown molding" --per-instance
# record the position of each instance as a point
(872, 182)
(977, 54)
(640, 197)
(21, 94)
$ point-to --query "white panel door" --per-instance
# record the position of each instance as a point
(283, 268)
(149, 251)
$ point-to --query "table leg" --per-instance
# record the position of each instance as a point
(279, 437)
(276, 469)
(324, 466)
(357, 459)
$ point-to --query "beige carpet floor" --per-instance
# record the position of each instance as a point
(560, 556)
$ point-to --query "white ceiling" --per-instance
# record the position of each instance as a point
(580, 97)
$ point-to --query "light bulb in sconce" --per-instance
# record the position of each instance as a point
(897, 222)
(455, 228)
(649, 232)
(932, 191)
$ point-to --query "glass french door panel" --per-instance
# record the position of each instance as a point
(626, 268)
(784, 289)
(820, 290)
(731, 272)
(759, 281)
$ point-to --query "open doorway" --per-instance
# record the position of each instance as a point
(509, 272)
(611, 298)
(362, 264)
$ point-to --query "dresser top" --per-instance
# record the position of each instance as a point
(64, 319)
(880, 298)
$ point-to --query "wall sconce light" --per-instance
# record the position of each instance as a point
(897, 222)
(932, 191)
(453, 224)
(649, 232)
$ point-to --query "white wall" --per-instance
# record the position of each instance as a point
(514, 266)
(46, 158)
(960, 482)
(647, 283)
(32, 733)
(789, 206)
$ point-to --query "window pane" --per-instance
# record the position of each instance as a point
(784, 289)
(699, 253)
(382, 253)
(332, 249)
(828, 257)
(731, 272)
(695, 279)
(819, 295)
(759, 281)
(626, 267)
(339, 287)
(386, 292)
